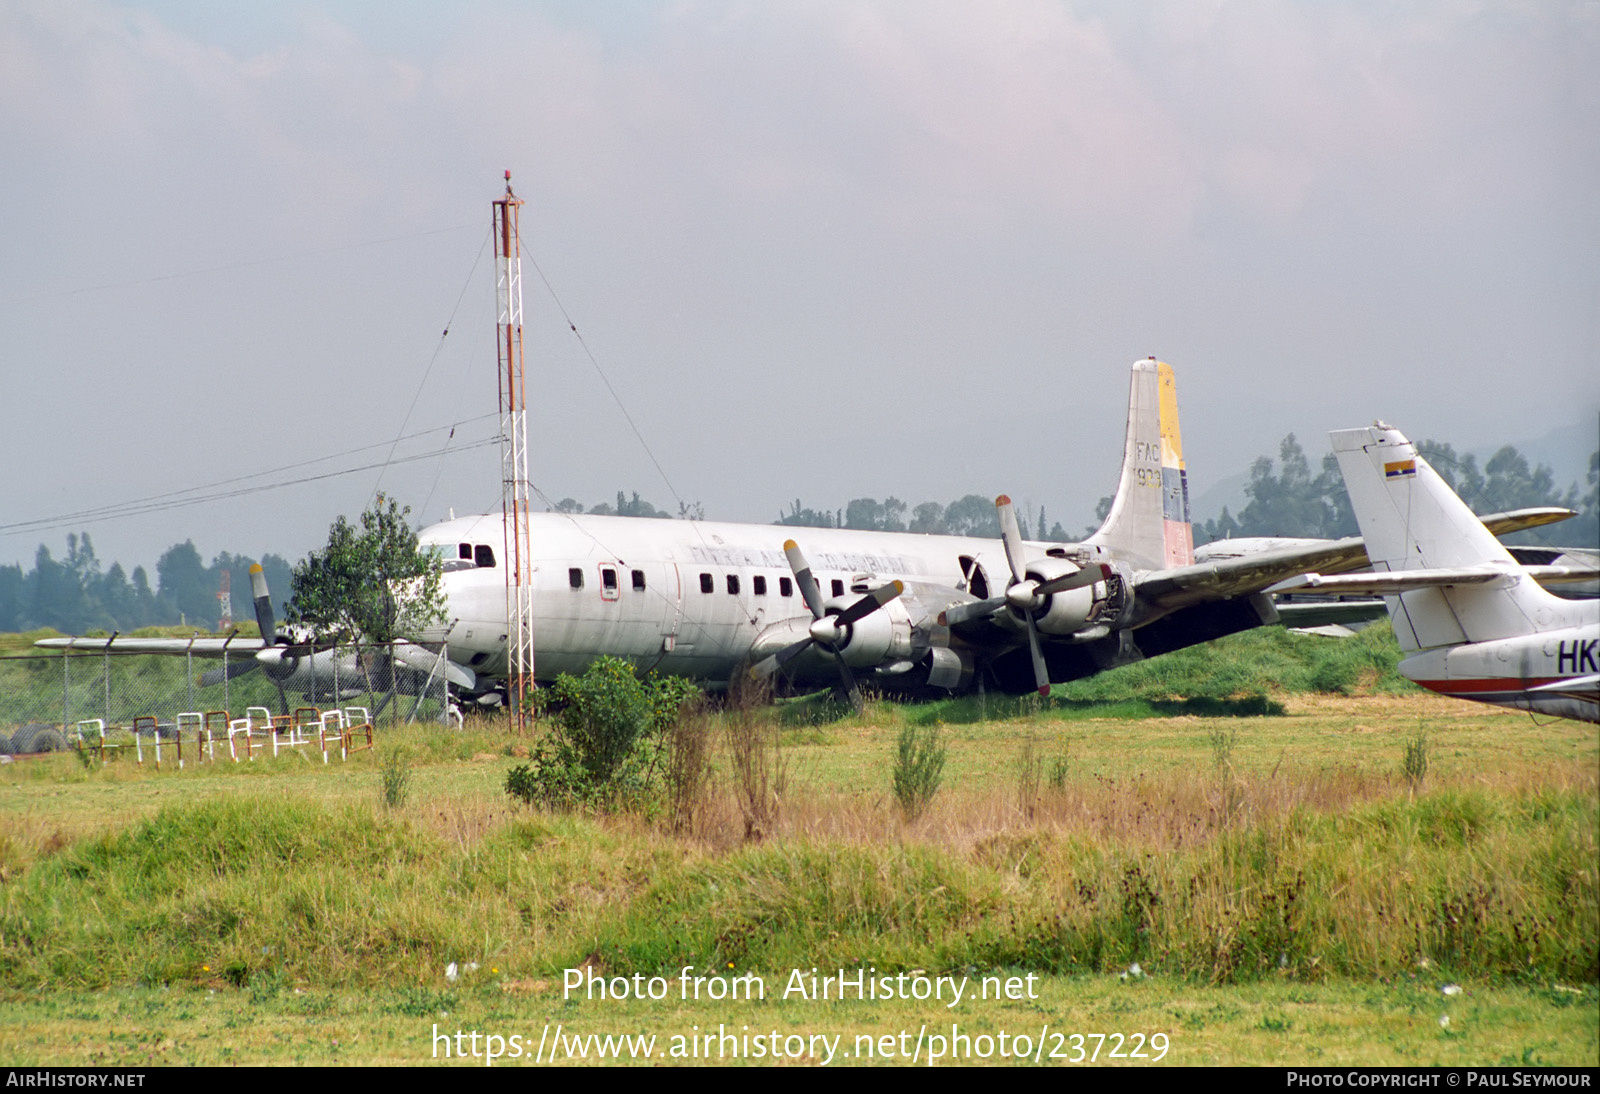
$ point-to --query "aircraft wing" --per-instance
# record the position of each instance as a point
(1182, 586)
(200, 647)
(1253, 572)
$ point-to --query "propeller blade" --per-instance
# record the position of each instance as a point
(1011, 536)
(1100, 571)
(972, 609)
(1041, 674)
(852, 693)
(802, 576)
(263, 602)
(870, 603)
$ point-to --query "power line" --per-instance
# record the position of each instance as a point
(226, 488)
(448, 323)
(573, 327)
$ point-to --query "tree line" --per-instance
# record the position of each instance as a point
(74, 594)
(1286, 499)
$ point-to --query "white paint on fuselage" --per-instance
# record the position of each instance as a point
(671, 624)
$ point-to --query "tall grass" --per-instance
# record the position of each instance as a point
(1316, 871)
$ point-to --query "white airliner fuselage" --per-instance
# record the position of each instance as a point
(691, 597)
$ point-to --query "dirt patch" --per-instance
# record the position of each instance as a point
(524, 987)
(1381, 707)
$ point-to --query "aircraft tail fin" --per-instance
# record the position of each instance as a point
(1149, 518)
(1414, 524)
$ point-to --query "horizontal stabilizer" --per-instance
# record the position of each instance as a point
(1517, 520)
(1392, 584)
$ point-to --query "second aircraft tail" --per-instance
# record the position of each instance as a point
(1415, 526)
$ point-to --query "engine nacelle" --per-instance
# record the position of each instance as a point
(1068, 611)
(885, 635)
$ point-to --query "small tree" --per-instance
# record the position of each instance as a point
(371, 583)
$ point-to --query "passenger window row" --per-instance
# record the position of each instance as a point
(608, 579)
(758, 585)
(708, 584)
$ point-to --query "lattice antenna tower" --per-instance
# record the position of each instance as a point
(516, 491)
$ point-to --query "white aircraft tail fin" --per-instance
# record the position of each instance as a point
(1149, 518)
(1414, 524)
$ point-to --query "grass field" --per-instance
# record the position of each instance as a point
(1287, 893)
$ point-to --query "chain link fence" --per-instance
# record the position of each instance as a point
(58, 690)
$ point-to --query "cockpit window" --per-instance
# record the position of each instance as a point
(449, 559)
(483, 555)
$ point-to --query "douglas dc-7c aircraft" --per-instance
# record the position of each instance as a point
(1472, 622)
(913, 613)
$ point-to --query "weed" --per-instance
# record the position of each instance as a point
(689, 767)
(918, 768)
(1222, 742)
(1059, 770)
(394, 773)
(415, 1002)
(265, 984)
(1030, 775)
(759, 770)
(1414, 765)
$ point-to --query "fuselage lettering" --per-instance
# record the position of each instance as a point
(1581, 657)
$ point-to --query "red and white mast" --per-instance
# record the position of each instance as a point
(515, 489)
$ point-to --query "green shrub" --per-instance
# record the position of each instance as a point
(608, 738)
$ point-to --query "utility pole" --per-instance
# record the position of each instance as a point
(515, 489)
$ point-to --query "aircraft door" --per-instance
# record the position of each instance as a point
(672, 606)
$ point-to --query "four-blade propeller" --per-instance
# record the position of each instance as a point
(1024, 595)
(829, 631)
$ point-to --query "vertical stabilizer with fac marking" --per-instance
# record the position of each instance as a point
(1414, 523)
(1149, 520)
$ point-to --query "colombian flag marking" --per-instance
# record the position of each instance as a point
(1397, 470)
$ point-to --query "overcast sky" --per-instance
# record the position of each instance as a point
(820, 250)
